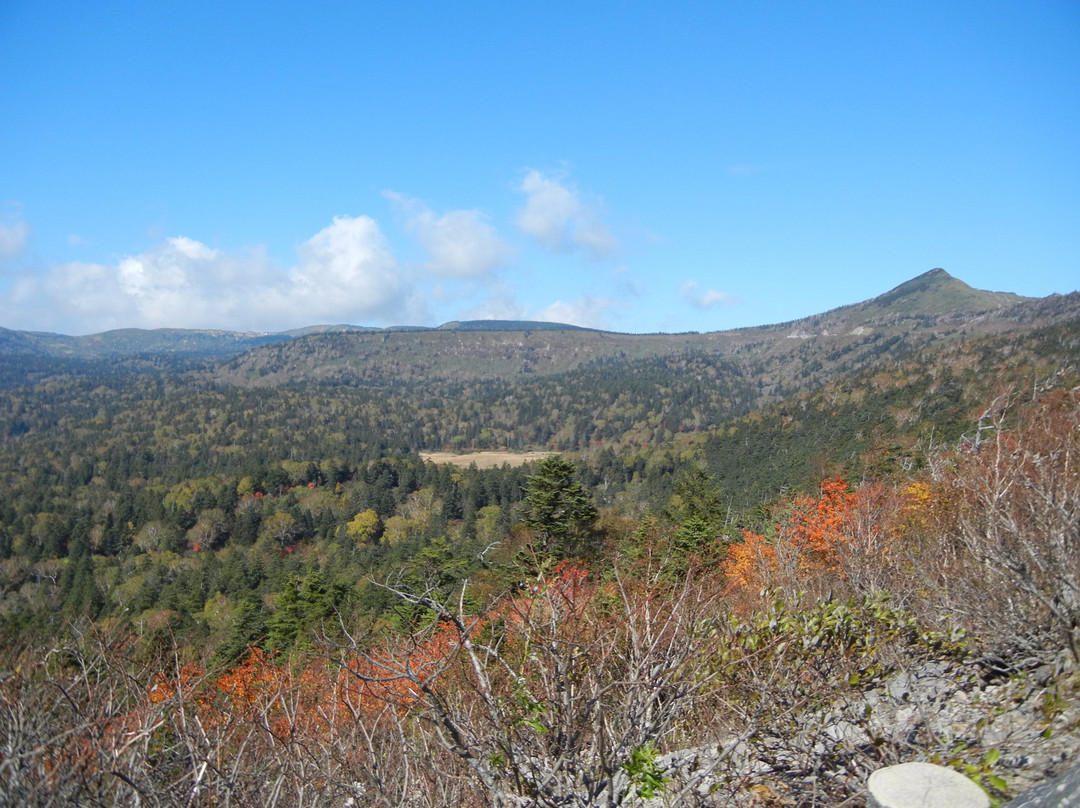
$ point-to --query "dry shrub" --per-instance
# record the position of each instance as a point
(563, 692)
(1000, 548)
(83, 724)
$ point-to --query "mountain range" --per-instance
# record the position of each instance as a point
(934, 303)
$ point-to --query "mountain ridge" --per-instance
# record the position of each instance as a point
(811, 350)
(933, 294)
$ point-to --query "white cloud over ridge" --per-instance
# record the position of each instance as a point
(345, 272)
(499, 304)
(348, 272)
(178, 283)
(691, 293)
(586, 311)
(558, 218)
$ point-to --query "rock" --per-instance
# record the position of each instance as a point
(898, 686)
(923, 785)
(1061, 792)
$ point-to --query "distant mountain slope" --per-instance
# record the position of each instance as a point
(16, 342)
(783, 405)
(931, 307)
(937, 292)
(785, 358)
(396, 357)
(193, 343)
(135, 342)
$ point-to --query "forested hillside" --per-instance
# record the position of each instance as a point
(225, 561)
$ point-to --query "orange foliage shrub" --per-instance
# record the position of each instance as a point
(400, 671)
(841, 538)
(397, 672)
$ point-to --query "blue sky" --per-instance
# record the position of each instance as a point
(636, 166)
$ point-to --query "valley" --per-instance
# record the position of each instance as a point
(326, 558)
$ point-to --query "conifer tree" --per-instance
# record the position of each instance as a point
(559, 511)
(78, 588)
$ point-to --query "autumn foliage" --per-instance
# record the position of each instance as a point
(843, 539)
(568, 684)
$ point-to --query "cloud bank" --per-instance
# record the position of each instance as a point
(348, 272)
(586, 311)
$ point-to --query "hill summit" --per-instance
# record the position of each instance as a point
(938, 292)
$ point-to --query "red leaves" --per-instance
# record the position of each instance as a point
(248, 682)
(166, 687)
(395, 673)
(834, 536)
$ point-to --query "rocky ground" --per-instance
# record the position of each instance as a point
(1007, 733)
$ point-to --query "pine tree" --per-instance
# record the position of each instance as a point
(559, 511)
(78, 589)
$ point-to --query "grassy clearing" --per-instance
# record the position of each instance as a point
(484, 460)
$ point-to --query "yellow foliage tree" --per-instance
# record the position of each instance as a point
(364, 527)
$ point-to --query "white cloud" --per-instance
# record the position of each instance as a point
(499, 305)
(587, 311)
(348, 269)
(14, 236)
(460, 243)
(345, 272)
(558, 218)
(179, 283)
(691, 293)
